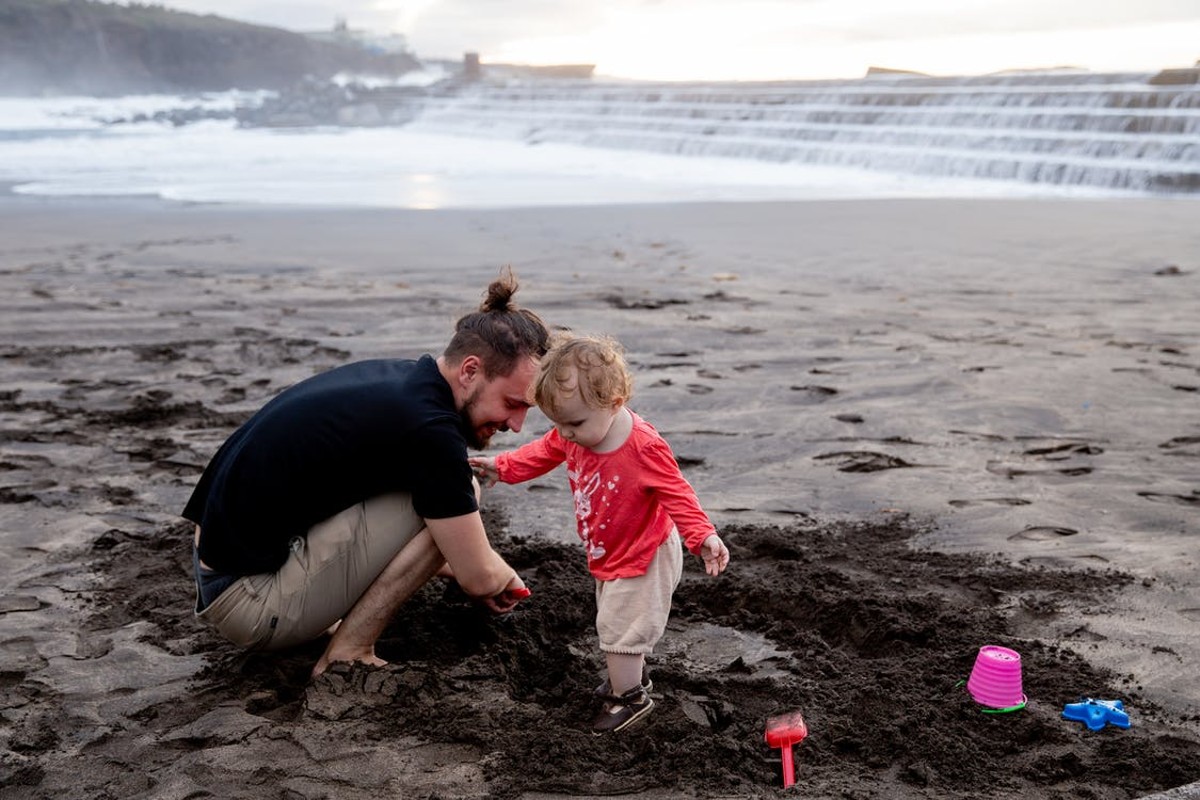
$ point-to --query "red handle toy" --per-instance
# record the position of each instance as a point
(783, 732)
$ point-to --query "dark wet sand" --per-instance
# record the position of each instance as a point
(925, 426)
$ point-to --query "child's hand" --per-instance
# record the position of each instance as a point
(485, 469)
(715, 555)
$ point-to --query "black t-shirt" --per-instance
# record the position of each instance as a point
(323, 445)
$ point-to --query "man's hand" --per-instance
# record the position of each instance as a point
(484, 468)
(715, 555)
(507, 600)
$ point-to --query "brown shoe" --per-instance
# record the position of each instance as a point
(620, 712)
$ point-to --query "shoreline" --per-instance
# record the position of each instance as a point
(1017, 372)
(1053, 194)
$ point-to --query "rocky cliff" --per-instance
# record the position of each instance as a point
(87, 47)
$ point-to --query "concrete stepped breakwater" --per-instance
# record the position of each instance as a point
(1100, 131)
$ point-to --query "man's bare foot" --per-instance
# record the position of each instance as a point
(332, 629)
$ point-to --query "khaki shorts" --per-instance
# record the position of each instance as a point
(631, 613)
(324, 575)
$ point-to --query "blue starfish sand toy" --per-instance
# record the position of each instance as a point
(1097, 713)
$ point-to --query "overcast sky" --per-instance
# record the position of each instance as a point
(762, 39)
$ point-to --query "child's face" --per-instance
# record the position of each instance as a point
(580, 423)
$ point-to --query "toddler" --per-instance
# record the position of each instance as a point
(632, 505)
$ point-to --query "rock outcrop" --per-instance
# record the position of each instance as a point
(87, 47)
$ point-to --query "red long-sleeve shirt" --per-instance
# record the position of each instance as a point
(626, 501)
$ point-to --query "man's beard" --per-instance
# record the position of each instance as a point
(477, 437)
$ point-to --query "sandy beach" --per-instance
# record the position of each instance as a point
(923, 426)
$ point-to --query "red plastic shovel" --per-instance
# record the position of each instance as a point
(509, 596)
(783, 732)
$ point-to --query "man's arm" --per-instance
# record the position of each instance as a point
(479, 569)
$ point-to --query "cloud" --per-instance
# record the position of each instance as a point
(447, 27)
(450, 27)
(920, 19)
(714, 37)
(455, 25)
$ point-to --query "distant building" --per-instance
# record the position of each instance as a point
(471, 67)
(379, 43)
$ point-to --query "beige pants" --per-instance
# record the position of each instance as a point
(631, 613)
(325, 574)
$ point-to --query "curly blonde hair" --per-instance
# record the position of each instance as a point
(592, 366)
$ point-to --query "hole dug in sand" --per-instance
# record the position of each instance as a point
(846, 623)
(869, 638)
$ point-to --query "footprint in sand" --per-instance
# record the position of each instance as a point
(998, 468)
(1180, 441)
(999, 501)
(643, 303)
(1061, 452)
(864, 461)
(1065, 562)
(20, 602)
(10, 496)
(980, 437)
(669, 364)
(725, 297)
(1042, 533)
(816, 393)
(1192, 499)
(1086, 634)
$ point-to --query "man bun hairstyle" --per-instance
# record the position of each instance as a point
(500, 333)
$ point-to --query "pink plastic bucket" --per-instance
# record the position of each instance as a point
(995, 680)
